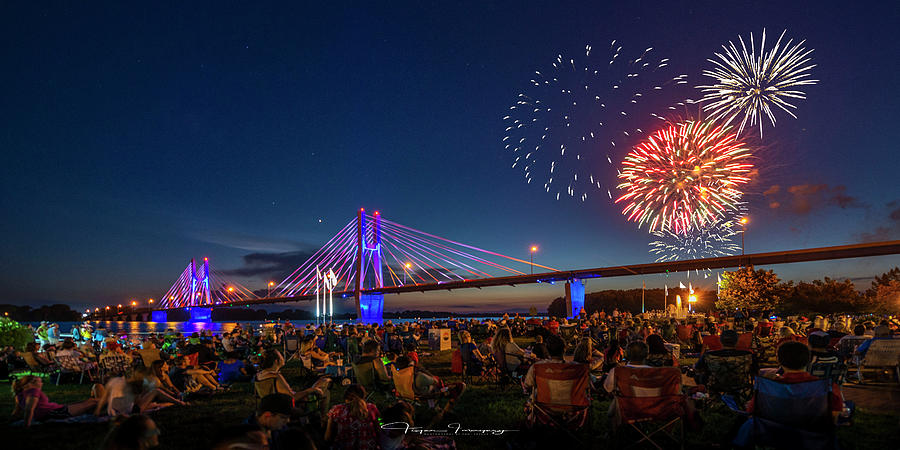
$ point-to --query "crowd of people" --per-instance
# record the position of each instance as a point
(132, 376)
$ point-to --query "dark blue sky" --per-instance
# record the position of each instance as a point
(135, 138)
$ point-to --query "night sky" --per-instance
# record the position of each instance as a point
(135, 138)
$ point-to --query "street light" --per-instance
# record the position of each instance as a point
(407, 266)
(150, 301)
(743, 223)
(269, 289)
(533, 249)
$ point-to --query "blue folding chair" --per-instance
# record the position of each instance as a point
(795, 416)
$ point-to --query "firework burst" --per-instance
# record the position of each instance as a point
(751, 84)
(563, 128)
(715, 240)
(684, 177)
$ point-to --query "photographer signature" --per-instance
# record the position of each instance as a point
(453, 429)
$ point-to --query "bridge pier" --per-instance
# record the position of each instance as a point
(200, 314)
(159, 316)
(574, 297)
(370, 308)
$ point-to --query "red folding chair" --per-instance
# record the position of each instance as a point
(745, 341)
(649, 400)
(561, 398)
(711, 343)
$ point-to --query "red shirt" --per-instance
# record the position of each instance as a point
(836, 401)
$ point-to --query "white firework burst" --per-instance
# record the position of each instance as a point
(750, 84)
(715, 240)
(566, 126)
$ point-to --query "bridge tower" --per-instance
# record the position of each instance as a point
(369, 306)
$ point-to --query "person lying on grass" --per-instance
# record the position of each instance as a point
(34, 405)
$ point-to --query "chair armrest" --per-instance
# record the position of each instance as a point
(731, 403)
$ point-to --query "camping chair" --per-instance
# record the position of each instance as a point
(116, 365)
(291, 347)
(836, 372)
(650, 396)
(149, 355)
(568, 333)
(36, 367)
(711, 343)
(882, 354)
(488, 370)
(69, 365)
(560, 398)
(404, 387)
(368, 376)
(745, 341)
(785, 415)
(729, 375)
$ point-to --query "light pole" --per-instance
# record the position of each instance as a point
(533, 249)
(269, 289)
(405, 272)
(743, 222)
(133, 305)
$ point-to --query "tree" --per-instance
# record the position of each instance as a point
(885, 279)
(13, 334)
(887, 296)
(825, 297)
(557, 308)
(748, 289)
(532, 311)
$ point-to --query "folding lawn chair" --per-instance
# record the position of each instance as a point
(69, 365)
(882, 354)
(149, 355)
(115, 365)
(794, 416)
(560, 398)
(729, 375)
(651, 398)
(711, 343)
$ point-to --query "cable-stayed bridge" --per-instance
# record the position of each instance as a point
(372, 256)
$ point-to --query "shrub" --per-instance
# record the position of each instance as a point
(14, 334)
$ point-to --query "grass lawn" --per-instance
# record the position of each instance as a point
(480, 407)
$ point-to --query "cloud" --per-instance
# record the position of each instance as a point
(803, 199)
(247, 242)
(270, 266)
(887, 232)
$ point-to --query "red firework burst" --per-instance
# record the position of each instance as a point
(684, 176)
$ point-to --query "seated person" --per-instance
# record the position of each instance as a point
(556, 347)
(819, 352)
(425, 383)
(232, 369)
(353, 424)
(729, 355)
(471, 356)
(793, 358)
(273, 415)
(370, 369)
(507, 352)
(33, 403)
(181, 373)
(318, 356)
(269, 380)
(659, 355)
(539, 349)
(636, 354)
(585, 353)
